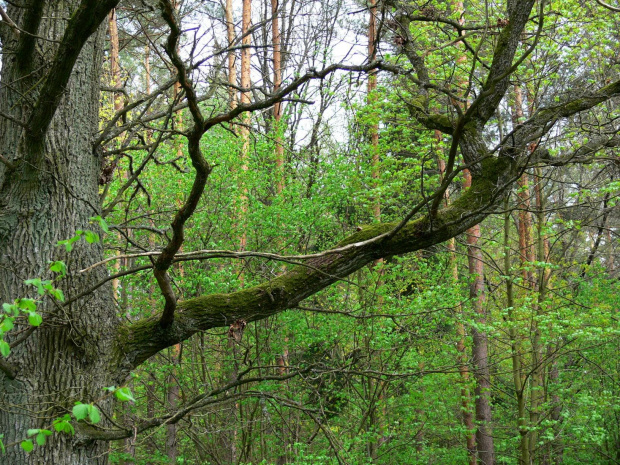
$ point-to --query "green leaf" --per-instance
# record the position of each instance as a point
(32, 432)
(91, 237)
(35, 319)
(67, 244)
(41, 436)
(94, 415)
(124, 394)
(56, 293)
(63, 425)
(69, 428)
(102, 223)
(5, 348)
(80, 411)
(36, 282)
(6, 325)
(59, 267)
(26, 304)
(27, 445)
(2, 449)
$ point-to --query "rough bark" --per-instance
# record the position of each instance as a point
(51, 193)
(48, 190)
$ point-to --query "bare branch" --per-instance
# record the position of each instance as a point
(608, 6)
(9, 21)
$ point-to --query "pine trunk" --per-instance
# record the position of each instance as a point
(480, 349)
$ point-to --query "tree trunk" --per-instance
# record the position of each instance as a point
(277, 83)
(172, 397)
(480, 349)
(52, 192)
(232, 57)
(468, 420)
(246, 56)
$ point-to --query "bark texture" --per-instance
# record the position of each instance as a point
(51, 193)
(48, 189)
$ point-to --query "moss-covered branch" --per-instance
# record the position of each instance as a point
(141, 340)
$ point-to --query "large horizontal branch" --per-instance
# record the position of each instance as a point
(545, 118)
(141, 340)
(582, 155)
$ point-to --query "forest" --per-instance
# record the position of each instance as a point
(309, 232)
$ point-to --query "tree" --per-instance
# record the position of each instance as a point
(51, 154)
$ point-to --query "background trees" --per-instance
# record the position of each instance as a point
(222, 190)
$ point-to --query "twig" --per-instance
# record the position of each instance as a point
(608, 6)
(10, 165)
(9, 21)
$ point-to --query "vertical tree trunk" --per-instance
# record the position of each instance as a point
(524, 227)
(244, 130)
(117, 104)
(372, 87)
(277, 82)
(526, 252)
(67, 358)
(484, 435)
(515, 346)
(468, 420)
(232, 56)
(172, 400)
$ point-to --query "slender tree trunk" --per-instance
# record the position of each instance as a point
(115, 66)
(68, 357)
(468, 420)
(484, 435)
(372, 87)
(232, 56)
(375, 386)
(515, 346)
(526, 252)
(277, 82)
(172, 400)
(556, 449)
(244, 130)
(117, 104)
(526, 258)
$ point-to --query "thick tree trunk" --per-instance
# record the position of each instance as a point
(51, 193)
